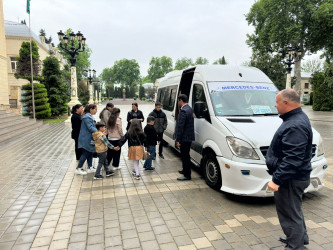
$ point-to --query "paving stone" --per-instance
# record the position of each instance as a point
(131, 243)
(213, 235)
(183, 240)
(152, 244)
(221, 244)
(201, 242)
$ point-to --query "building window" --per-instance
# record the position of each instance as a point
(13, 64)
(306, 85)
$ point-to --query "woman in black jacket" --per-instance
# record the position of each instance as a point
(76, 119)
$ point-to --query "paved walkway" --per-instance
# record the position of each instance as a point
(44, 205)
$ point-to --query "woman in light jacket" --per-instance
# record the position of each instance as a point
(115, 132)
(86, 141)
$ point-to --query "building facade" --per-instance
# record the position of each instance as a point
(15, 34)
(4, 92)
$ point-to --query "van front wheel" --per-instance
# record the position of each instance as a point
(212, 172)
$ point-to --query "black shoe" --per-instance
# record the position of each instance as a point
(183, 178)
(154, 158)
(162, 156)
(98, 177)
(180, 171)
(284, 240)
(151, 168)
(109, 173)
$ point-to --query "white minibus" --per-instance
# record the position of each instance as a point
(235, 120)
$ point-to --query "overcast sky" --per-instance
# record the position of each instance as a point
(140, 29)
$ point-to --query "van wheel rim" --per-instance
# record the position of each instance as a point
(211, 171)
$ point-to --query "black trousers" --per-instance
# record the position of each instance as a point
(78, 151)
(160, 147)
(113, 155)
(288, 200)
(186, 160)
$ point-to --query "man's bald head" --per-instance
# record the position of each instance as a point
(287, 100)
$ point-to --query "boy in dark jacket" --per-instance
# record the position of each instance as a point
(150, 142)
(161, 123)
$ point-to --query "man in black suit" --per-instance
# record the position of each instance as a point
(185, 135)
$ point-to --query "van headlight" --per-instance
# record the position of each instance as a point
(241, 148)
(320, 147)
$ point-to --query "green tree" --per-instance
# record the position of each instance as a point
(57, 90)
(279, 24)
(126, 72)
(220, 61)
(183, 63)
(145, 79)
(141, 91)
(322, 91)
(158, 67)
(83, 92)
(43, 33)
(271, 66)
(24, 64)
(201, 60)
(42, 107)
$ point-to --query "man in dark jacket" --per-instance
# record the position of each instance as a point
(161, 123)
(135, 113)
(185, 135)
(289, 162)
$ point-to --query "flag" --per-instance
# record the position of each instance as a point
(28, 7)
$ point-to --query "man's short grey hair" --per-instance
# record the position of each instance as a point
(291, 94)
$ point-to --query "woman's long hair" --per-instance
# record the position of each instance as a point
(113, 118)
(135, 128)
(75, 108)
(88, 107)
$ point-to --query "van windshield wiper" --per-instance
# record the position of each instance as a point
(266, 114)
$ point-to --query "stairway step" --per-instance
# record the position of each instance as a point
(26, 129)
(14, 127)
(13, 118)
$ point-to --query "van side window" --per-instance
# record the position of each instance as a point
(198, 95)
(167, 97)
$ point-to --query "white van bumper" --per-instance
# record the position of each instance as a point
(255, 183)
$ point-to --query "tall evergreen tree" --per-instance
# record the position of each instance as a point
(57, 90)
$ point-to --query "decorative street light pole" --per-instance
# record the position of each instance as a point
(290, 57)
(73, 52)
(100, 91)
(90, 78)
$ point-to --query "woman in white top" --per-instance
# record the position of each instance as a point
(115, 132)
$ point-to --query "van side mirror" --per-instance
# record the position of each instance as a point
(199, 109)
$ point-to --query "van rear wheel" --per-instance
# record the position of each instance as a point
(212, 172)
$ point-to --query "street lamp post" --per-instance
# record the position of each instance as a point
(100, 91)
(90, 78)
(73, 52)
(290, 57)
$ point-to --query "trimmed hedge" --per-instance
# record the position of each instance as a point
(42, 107)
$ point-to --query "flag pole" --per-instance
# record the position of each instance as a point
(32, 71)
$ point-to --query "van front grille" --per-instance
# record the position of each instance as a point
(313, 150)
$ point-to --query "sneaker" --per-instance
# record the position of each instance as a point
(109, 173)
(154, 158)
(116, 168)
(133, 172)
(91, 170)
(137, 177)
(80, 171)
(151, 168)
(162, 156)
(98, 177)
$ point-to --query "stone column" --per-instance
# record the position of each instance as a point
(288, 83)
(91, 99)
(4, 90)
(74, 95)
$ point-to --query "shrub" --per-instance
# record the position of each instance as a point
(111, 98)
(134, 97)
(322, 92)
(143, 98)
(42, 107)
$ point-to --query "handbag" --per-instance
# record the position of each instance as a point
(146, 154)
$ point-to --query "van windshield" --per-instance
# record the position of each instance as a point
(243, 98)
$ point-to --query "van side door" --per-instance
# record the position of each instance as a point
(201, 124)
(167, 96)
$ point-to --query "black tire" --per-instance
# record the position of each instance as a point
(212, 172)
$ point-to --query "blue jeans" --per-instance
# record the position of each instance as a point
(86, 155)
(149, 161)
(102, 161)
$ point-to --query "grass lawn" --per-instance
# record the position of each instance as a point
(56, 119)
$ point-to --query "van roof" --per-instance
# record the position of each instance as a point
(221, 73)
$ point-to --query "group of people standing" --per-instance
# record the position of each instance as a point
(105, 138)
